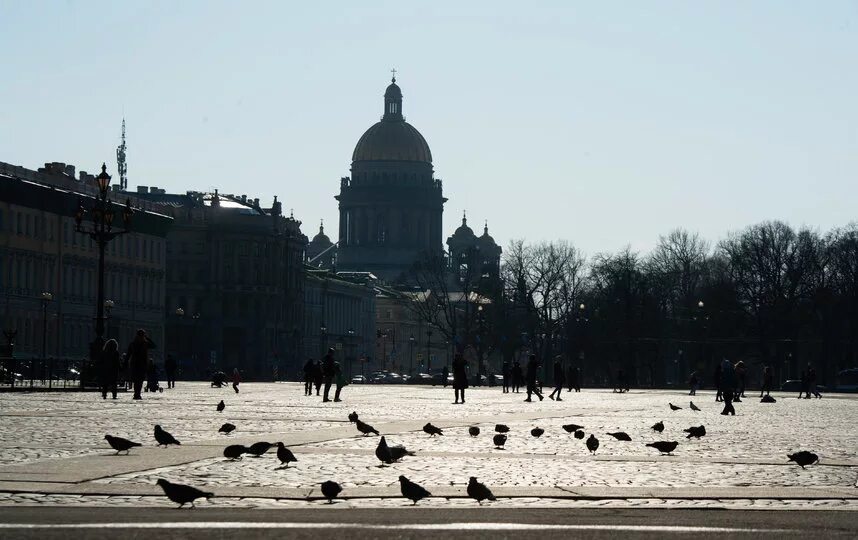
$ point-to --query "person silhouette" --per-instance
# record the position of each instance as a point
(532, 369)
(460, 377)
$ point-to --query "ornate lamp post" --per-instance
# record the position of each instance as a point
(102, 215)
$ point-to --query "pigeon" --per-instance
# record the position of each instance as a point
(572, 428)
(620, 436)
(537, 432)
(182, 494)
(674, 407)
(665, 447)
(592, 443)
(473, 431)
(412, 491)
(432, 430)
(119, 444)
(658, 426)
(364, 428)
(693, 406)
(285, 455)
(259, 448)
(479, 491)
(500, 428)
(226, 428)
(234, 451)
(696, 432)
(162, 437)
(389, 454)
(579, 434)
(221, 406)
(353, 416)
(803, 458)
(330, 490)
(499, 439)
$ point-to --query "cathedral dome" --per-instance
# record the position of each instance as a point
(486, 239)
(392, 139)
(464, 233)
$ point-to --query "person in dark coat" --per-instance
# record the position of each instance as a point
(532, 369)
(716, 380)
(170, 369)
(445, 374)
(329, 369)
(517, 376)
(109, 369)
(728, 387)
(558, 380)
(339, 380)
(574, 379)
(236, 379)
(308, 377)
(317, 376)
(507, 372)
(767, 381)
(693, 383)
(460, 376)
(138, 358)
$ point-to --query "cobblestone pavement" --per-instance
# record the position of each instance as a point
(747, 451)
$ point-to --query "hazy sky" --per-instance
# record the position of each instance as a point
(604, 123)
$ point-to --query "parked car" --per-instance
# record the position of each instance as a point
(794, 385)
(358, 379)
(422, 378)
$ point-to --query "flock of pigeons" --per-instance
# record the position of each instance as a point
(389, 454)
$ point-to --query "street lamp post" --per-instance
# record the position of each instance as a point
(108, 307)
(411, 354)
(480, 346)
(101, 231)
(350, 349)
(46, 299)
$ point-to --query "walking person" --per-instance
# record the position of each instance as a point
(716, 380)
(170, 370)
(558, 380)
(236, 379)
(805, 387)
(693, 383)
(317, 377)
(308, 377)
(109, 371)
(728, 387)
(507, 372)
(339, 380)
(138, 358)
(517, 376)
(811, 383)
(532, 369)
(460, 377)
(328, 372)
(767, 381)
(740, 371)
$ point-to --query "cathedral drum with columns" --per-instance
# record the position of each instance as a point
(391, 207)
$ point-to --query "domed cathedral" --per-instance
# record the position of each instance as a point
(391, 207)
(474, 260)
(321, 252)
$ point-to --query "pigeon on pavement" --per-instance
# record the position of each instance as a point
(259, 448)
(499, 439)
(674, 407)
(227, 428)
(473, 431)
(163, 437)
(479, 491)
(658, 426)
(803, 458)
(592, 443)
(181, 494)
(693, 406)
(390, 454)
(234, 451)
(537, 432)
(330, 490)
(620, 436)
(221, 406)
(665, 447)
(119, 444)
(432, 430)
(572, 428)
(500, 428)
(285, 455)
(364, 428)
(412, 491)
(353, 416)
(579, 434)
(696, 432)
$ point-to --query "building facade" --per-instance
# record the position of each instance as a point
(235, 284)
(392, 205)
(41, 252)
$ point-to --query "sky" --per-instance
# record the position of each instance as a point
(604, 123)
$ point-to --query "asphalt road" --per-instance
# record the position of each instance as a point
(129, 523)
